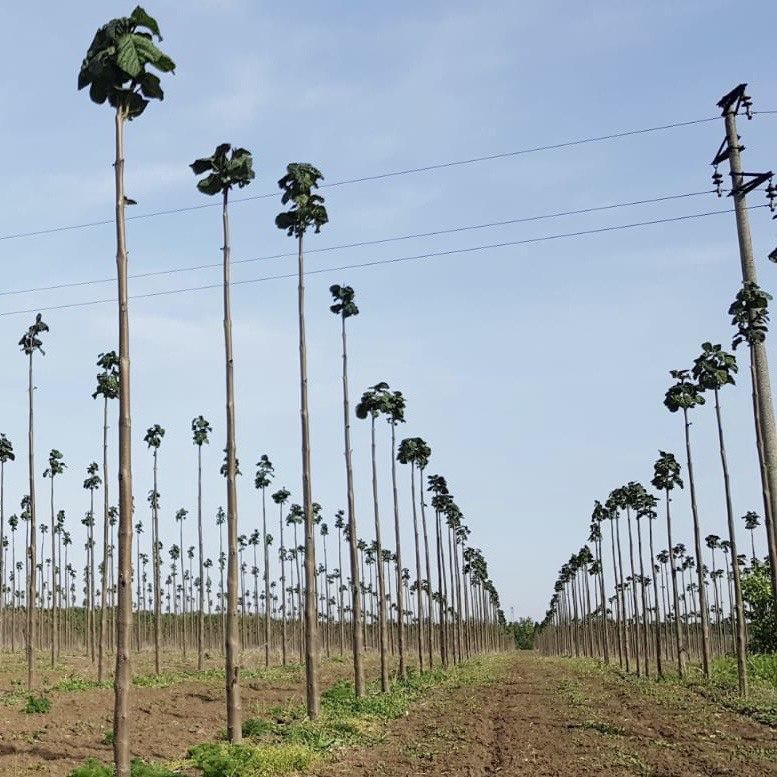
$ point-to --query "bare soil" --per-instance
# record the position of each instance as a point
(539, 717)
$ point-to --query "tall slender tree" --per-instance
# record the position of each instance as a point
(372, 405)
(6, 455)
(153, 440)
(752, 522)
(262, 480)
(108, 388)
(280, 498)
(30, 343)
(115, 70)
(394, 408)
(307, 210)
(714, 369)
(345, 307)
(685, 395)
(201, 428)
(226, 168)
(666, 477)
(56, 467)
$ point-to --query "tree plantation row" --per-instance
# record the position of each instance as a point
(283, 592)
(659, 609)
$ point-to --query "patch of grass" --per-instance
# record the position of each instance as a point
(108, 737)
(225, 760)
(80, 684)
(286, 740)
(94, 768)
(37, 705)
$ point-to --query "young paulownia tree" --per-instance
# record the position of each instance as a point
(56, 467)
(228, 167)
(307, 210)
(200, 431)
(30, 343)
(345, 307)
(108, 388)
(115, 70)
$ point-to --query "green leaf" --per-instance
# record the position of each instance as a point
(142, 19)
(151, 86)
(98, 92)
(200, 166)
(128, 55)
(211, 184)
(135, 105)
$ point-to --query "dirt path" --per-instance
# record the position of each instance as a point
(550, 717)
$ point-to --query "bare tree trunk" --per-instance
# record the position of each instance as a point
(430, 622)
(104, 581)
(123, 678)
(419, 602)
(705, 631)
(201, 612)
(31, 549)
(382, 626)
(740, 619)
(266, 547)
(311, 620)
(659, 663)
(232, 645)
(53, 579)
(357, 635)
(156, 561)
(398, 541)
(282, 557)
(681, 650)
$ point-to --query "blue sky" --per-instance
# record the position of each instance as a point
(536, 372)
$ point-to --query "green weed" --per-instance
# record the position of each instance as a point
(225, 760)
(37, 705)
(94, 768)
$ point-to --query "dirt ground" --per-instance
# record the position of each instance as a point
(540, 717)
(550, 717)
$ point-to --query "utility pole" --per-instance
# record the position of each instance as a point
(763, 409)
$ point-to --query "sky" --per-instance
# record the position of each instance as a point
(536, 372)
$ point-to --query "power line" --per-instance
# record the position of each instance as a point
(362, 243)
(379, 176)
(380, 262)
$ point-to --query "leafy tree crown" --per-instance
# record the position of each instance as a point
(714, 368)
(154, 435)
(684, 394)
(6, 450)
(56, 464)
(30, 341)
(264, 472)
(108, 379)
(666, 472)
(343, 301)
(201, 428)
(114, 67)
(226, 167)
(750, 314)
(307, 208)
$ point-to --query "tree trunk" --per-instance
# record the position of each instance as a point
(232, 646)
(740, 619)
(705, 631)
(659, 664)
(430, 622)
(53, 579)
(123, 678)
(311, 620)
(156, 561)
(419, 602)
(266, 547)
(398, 541)
(681, 650)
(104, 581)
(382, 626)
(282, 558)
(31, 548)
(201, 611)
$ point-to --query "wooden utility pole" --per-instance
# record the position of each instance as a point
(742, 183)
